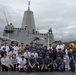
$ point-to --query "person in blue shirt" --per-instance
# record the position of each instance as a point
(26, 47)
(31, 48)
(59, 64)
(45, 49)
(31, 64)
(48, 63)
(40, 47)
(75, 57)
(43, 53)
(60, 53)
(3, 52)
(38, 51)
(54, 53)
(50, 52)
(35, 46)
(70, 53)
(40, 63)
(72, 63)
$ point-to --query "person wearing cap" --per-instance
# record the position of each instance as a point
(40, 63)
(48, 62)
(3, 52)
(35, 54)
(22, 65)
(11, 52)
(59, 64)
(6, 47)
(50, 52)
(60, 53)
(31, 64)
(43, 53)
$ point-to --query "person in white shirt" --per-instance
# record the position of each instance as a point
(59, 46)
(22, 65)
(66, 61)
(50, 47)
(6, 47)
(19, 59)
(4, 63)
(27, 54)
(35, 54)
(11, 52)
(68, 49)
(16, 48)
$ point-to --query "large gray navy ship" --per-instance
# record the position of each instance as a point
(28, 33)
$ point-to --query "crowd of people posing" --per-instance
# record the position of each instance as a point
(36, 57)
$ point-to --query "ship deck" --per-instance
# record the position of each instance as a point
(38, 73)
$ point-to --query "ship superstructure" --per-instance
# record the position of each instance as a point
(27, 33)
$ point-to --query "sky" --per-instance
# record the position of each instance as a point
(60, 15)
